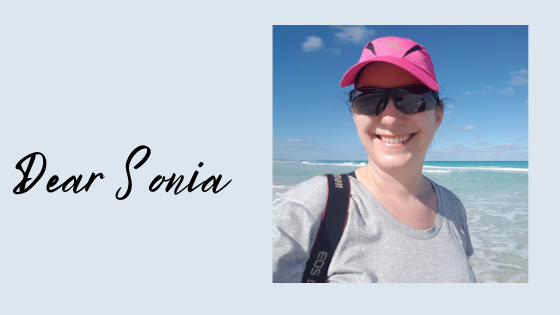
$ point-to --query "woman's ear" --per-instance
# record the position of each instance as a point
(439, 115)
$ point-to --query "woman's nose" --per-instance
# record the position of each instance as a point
(391, 115)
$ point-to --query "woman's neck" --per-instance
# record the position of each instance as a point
(406, 183)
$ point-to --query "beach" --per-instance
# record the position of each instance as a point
(495, 196)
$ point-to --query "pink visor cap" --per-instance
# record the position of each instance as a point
(400, 52)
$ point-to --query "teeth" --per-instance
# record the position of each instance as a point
(395, 140)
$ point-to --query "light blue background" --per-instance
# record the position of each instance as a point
(85, 84)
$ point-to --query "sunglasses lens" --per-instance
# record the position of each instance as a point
(415, 99)
(369, 104)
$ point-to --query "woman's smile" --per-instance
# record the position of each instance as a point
(395, 141)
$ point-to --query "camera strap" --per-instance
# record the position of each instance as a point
(330, 230)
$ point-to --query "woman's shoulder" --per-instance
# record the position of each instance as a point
(307, 192)
(448, 196)
(310, 195)
(452, 205)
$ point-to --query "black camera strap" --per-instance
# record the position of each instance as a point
(331, 228)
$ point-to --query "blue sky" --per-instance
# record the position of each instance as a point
(482, 70)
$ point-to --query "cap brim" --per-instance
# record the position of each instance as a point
(350, 75)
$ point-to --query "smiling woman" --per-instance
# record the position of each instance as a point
(400, 226)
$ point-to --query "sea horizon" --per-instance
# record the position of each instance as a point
(424, 161)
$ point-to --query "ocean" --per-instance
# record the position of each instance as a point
(495, 195)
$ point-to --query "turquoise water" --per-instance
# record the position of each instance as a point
(495, 195)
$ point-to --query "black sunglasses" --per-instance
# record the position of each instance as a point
(408, 99)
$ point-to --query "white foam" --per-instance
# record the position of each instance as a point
(480, 168)
(438, 169)
(499, 236)
(335, 164)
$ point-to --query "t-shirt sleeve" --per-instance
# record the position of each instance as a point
(296, 218)
(459, 217)
(463, 217)
(469, 247)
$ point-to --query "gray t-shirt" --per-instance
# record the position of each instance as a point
(375, 246)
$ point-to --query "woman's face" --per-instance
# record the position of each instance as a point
(380, 135)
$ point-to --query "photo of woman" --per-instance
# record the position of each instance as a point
(398, 225)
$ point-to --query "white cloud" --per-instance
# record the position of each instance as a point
(450, 106)
(507, 91)
(520, 77)
(312, 43)
(520, 72)
(487, 89)
(468, 128)
(354, 34)
(482, 142)
(482, 151)
(289, 144)
(505, 146)
(468, 93)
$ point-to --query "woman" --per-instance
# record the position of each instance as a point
(401, 227)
